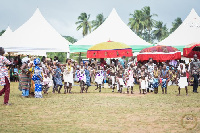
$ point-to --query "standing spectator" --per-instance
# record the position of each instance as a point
(194, 70)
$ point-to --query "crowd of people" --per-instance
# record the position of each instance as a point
(35, 75)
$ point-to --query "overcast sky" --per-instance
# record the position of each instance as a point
(62, 14)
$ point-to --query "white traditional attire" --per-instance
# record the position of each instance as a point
(113, 80)
(130, 81)
(68, 74)
(81, 75)
(182, 82)
(99, 77)
(144, 83)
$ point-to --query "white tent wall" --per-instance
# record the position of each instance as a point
(187, 33)
(36, 35)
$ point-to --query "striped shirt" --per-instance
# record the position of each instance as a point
(3, 69)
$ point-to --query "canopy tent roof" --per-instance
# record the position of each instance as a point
(35, 35)
(159, 53)
(188, 32)
(113, 29)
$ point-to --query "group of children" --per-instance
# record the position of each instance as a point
(36, 76)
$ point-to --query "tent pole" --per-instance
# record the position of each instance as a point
(68, 55)
(79, 58)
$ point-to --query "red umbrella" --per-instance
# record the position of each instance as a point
(190, 50)
(159, 53)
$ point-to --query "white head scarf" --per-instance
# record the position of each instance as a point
(25, 60)
(179, 67)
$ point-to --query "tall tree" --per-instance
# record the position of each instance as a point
(99, 20)
(149, 22)
(136, 22)
(177, 22)
(161, 31)
(84, 23)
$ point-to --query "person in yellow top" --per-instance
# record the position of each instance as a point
(173, 77)
(32, 87)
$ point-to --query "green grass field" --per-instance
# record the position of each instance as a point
(101, 112)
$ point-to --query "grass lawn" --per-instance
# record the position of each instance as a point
(101, 112)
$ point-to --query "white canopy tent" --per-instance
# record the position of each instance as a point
(113, 29)
(187, 33)
(35, 35)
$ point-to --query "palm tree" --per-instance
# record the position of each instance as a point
(99, 20)
(177, 22)
(161, 31)
(149, 22)
(136, 22)
(83, 21)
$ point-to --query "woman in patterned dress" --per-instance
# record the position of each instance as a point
(25, 80)
(37, 78)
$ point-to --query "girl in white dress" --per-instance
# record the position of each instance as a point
(99, 76)
(68, 76)
(130, 80)
(82, 77)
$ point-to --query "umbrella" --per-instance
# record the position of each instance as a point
(190, 50)
(159, 53)
(109, 50)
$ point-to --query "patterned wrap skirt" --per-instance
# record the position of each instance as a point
(24, 81)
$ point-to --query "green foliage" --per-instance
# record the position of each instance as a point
(75, 56)
(160, 31)
(177, 22)
(84, 23)
(62, 56)
(99, 20)
(2, 32)
(142, 23)
(70, 39)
